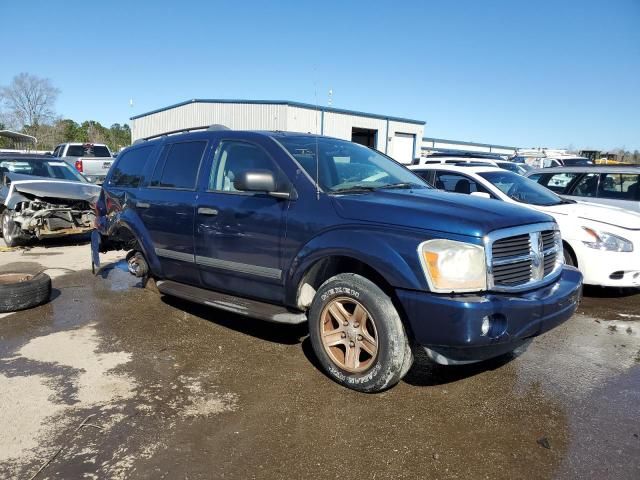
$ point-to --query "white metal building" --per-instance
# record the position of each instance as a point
(400, 138)
(440, 144)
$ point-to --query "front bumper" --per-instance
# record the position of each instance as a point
(609, 269)
(450, 328)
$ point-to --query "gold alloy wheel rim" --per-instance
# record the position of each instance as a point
(349, 334)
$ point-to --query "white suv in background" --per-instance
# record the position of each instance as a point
(603, 242)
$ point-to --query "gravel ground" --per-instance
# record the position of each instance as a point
(110, 380)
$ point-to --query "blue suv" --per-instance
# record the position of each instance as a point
(294, 228)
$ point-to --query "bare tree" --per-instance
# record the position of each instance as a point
(29, 100)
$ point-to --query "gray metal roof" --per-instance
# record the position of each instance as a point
(18, 137)
(284, 102)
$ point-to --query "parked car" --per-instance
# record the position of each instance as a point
(93, 160)
(371, 256)
(608, 185)
(474, 159)
(43, 197)
(602, 241)
(550, 159)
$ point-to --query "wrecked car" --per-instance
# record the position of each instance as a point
(295, 228)
(41, 197)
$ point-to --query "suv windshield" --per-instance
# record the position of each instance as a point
(41, 168)
(522, 189)
(577, 161)
(346, 166)
(88, 150)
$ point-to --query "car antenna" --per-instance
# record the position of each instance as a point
(315, 89)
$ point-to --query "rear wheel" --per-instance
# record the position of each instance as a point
(357, 334)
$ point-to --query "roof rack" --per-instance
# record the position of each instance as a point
(214, 128)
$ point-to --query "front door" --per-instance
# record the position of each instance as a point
(239, 235)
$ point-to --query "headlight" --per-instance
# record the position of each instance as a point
(452, 266)
(607, 241)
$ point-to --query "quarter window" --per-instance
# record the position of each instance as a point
(619, 186)
(127, 172)
(233, 157)
(179, 165)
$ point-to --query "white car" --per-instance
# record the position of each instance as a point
(494, 160)
(602, 241)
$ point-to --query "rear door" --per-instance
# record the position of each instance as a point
(167, 208)
(239, 235)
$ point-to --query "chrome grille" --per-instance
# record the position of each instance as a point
(523, 257)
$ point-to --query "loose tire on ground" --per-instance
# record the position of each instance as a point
(19, 291)
(357, 334)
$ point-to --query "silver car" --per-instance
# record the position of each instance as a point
(606, 184)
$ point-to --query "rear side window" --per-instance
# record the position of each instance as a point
(453, 182)
(127, 172)
(619, 186)
(179, 165)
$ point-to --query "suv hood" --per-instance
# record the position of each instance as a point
(49, 188)
(598, 213)
(435, 210)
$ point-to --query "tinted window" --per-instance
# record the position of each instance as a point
(88, 150)
(619, 186)
(587, 186)
(233, 157)
(179, 165)
(457, 183)
(558, 182)
(127, 172)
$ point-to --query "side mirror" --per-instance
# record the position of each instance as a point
(258, 181)
(481, 194)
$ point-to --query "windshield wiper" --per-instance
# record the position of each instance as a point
(355, 188)
(399, 185)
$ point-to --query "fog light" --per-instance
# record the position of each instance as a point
(486, 325)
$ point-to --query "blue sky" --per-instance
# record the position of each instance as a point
(545, 73)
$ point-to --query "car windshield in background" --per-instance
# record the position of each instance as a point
(512, 167)
(578, 162)
(41, 168)
(522, 189)
(346, 166)
(99, 151)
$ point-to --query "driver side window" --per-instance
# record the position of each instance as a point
(233, 157)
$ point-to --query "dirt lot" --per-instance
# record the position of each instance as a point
(122, 383)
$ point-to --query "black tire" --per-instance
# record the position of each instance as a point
(568, 258)
(393, 357)
(13, 237)
(19, 291)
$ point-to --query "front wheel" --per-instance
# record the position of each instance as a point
(357, 334)
(11, 232)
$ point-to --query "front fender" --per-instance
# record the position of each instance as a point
(392, 254)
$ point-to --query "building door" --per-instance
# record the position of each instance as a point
(364, 136)
(403, 147)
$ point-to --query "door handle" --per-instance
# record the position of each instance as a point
(142, 205)
(207, 211)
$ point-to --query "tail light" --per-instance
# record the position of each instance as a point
(79, 165)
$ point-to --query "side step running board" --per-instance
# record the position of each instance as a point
(241, 306)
